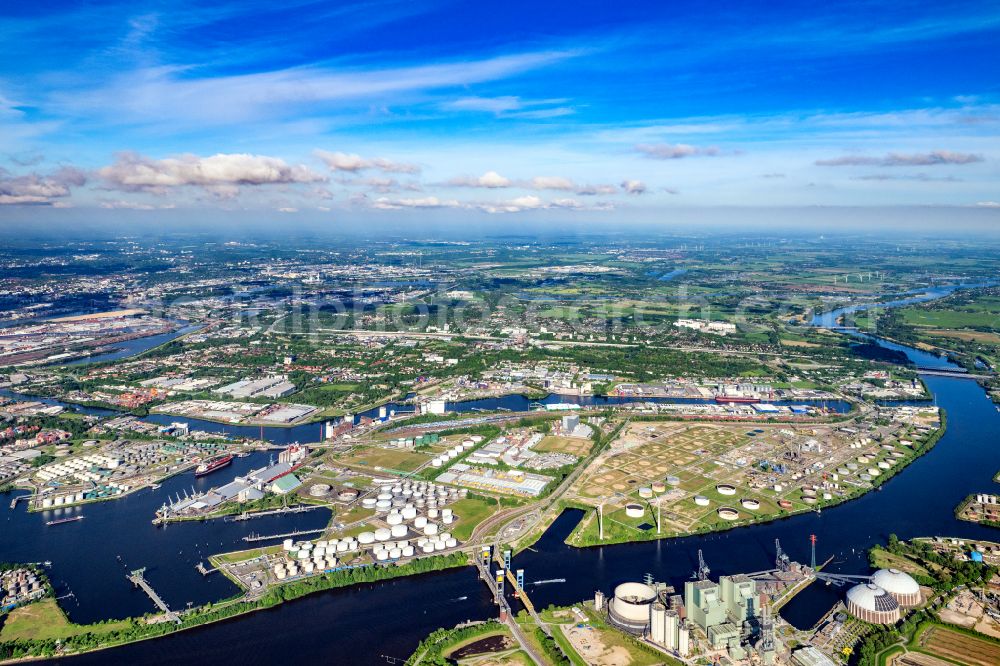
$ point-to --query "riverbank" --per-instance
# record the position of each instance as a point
(81, 639)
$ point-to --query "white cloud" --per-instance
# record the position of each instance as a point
(489, 180)
(933, 158)
(174, 94)
(354, 163)
(383, 203)
(37, 189)
(125, 205)
(220, 173)
(553, 183)
(511, 106)
(633, 187)
(668, 151)
(288, 209)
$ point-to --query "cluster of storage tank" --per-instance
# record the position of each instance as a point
(456, 451)
(62, 500)
(84, 468)
(305, 557)
(411, 497)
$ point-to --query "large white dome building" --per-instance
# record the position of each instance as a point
(871, 603)
(900, 585)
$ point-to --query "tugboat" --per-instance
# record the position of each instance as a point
(213, 464)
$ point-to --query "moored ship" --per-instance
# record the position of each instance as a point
(60, 521)
(213, 464)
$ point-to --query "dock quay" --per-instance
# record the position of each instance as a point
(273, 512)
(138, 578)
(286, 535)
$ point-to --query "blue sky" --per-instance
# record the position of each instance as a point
(379, 109)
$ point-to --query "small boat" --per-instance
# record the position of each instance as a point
(60, 521)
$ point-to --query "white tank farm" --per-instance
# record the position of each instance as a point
(430, 529)
(432, 513)
(382, 534)
(47, 502)
(279, 567)
(421, 541)
(428, 547)
(446, 512)
(448, 520)
(302, 555)
(305, 545)
(394, 518)
(342, 547)
(287, 544)
(398, 531)
(384, 496)
(436, 462)
(408, 551)
(369, 502)
(366, 537)
(395, 553)
(439, 545)
(451, 543)
(634, 510)
(381, 555)
(409, 513)
(319, 551)
(383, 505)
(308, 567)
(420, 522)
(280, 575)
(444, 536)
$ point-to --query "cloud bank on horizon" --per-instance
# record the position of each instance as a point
(323, 109)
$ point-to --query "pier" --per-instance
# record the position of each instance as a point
(286, 535)
(138, 578)
(274, 512)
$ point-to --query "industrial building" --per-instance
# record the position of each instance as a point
(900, 585)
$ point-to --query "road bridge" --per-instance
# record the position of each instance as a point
(959, 374)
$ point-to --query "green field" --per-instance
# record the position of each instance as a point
(44, 620)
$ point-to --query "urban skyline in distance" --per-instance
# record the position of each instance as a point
(321, 114)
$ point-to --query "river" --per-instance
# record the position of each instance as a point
(358, 625)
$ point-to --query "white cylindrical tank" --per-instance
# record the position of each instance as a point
(381, 555)
(409, 513)
(432, 513)
(395, 553)
(430, 529)
(428, 547)
(451, 543)
(382, 534)
(398, 530)
(394, 518)
(439, 545)
(408, 551)
(448, 520)
(366, 537)
(342, 547)
(420, 522)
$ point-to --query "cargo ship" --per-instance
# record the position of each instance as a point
(60, 521)
(213, 464)
(741, 399)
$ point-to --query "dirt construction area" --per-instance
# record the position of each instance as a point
(587, 642)
(960, 648)
(965, 610)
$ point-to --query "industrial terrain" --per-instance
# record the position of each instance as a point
(366, 413)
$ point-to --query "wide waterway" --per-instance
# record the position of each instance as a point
(358, 625)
